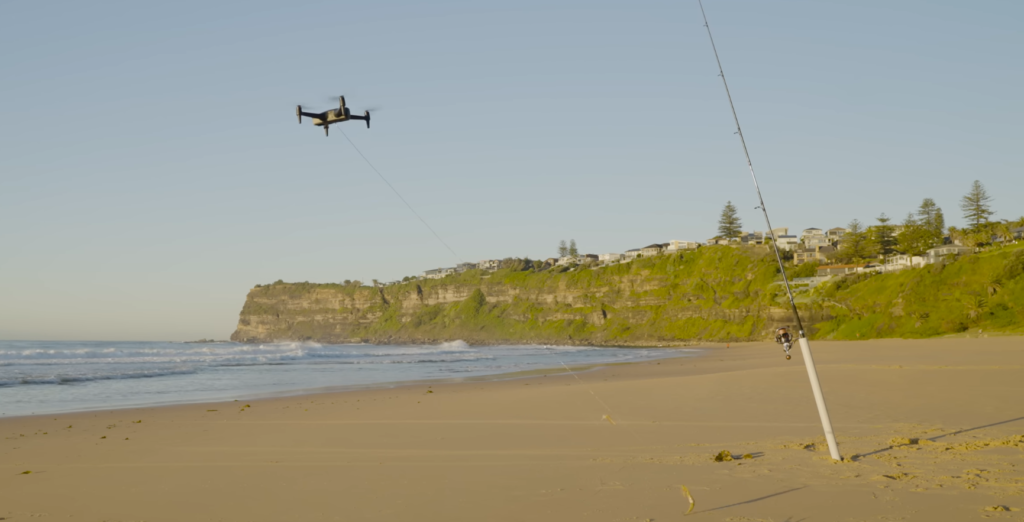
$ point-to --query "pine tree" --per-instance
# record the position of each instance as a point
(930, 216)
(729, 224)
(884, 240)
(939, 224)
(926, 212)
(573, 251)
(563, 249)
(975, 205)
(855, 244)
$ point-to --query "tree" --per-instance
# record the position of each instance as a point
(930, 216)
(729, 225)
(927, 210)
(573, 251)
(916, 237)
(975, 205)
(563, 249)
(883, 238)
(974, 307)
(855, 245)
(972, 237)
(956, 235)
(809, 269)
(1003, 230)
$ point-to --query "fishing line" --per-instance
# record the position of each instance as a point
(750, 165)
(607, 409)
(393, 189)
(602, 403)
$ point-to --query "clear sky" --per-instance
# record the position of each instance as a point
(152, 170)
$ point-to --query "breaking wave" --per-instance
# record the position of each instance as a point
(233, 354)
(51, 376)
(58, 378)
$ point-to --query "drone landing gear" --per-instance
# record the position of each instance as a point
(325, 131)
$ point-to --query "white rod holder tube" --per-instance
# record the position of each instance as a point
(819, 399)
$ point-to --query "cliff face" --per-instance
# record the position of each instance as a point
(716, 293)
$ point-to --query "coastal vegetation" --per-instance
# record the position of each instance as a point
(981, 293)
(716, 293)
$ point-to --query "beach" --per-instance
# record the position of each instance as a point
(929, 430)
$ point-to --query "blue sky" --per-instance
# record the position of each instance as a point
(152, 170)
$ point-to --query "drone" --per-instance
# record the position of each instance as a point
(328, 117)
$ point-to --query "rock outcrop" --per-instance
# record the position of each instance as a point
(716, 294)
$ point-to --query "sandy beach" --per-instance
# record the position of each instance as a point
(930, 430)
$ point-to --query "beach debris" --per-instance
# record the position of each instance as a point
(899, 476)
(69, 427)
(26, 472)
(723, 456)
(137, 422)
(103, 437)
(747, 456)
(211, 410)
(608, 418)
(809, 446)
(908, 441)
(1000, 508)
(693, 503)
(430, 391)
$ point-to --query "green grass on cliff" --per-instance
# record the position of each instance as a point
(667, 298)
(713, 294)
(719, 293)
(979, 292)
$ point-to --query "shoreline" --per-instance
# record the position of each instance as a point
(301, 392)
(477, 342)
(929, 430)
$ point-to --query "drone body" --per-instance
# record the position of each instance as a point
(327, 118)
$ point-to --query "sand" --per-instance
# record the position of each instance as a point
(931, 430)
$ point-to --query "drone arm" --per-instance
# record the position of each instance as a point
(365, 117)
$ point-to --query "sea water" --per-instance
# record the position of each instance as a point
(60, 376)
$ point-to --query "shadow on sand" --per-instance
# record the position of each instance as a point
(937, 437)
(751, 501)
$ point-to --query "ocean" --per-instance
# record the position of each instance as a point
(39, 377)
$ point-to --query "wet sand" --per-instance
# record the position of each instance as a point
(931, 430)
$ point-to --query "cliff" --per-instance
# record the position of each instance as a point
(715, 293)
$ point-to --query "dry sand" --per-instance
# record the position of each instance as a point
(537, 448)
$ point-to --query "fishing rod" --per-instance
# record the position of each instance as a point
(805, 347)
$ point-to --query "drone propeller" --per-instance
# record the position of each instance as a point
(334, 99)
